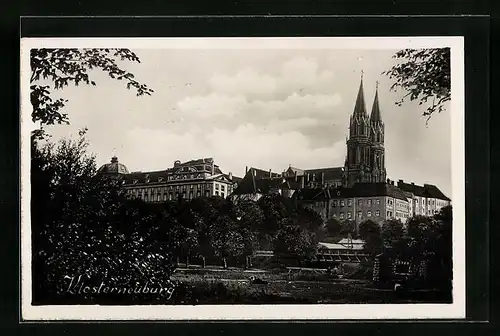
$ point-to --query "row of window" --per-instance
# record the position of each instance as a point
(402, 214)
(360, 202)
(171, 196)
(178, 188)
(360, 214)
(432, 202)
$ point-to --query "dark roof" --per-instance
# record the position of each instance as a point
(200, 165)
(312, 194)
(258, 181)
(142, 177)
(357, 190)
(427, 190)
(332, 173)
(434, 192)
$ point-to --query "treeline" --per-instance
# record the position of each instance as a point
(83, 224)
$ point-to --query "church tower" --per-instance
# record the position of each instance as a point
(357, 166)
(377, 157)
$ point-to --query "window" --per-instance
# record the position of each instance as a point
(164, 197)
(369, 202)
(349, 202)
(369, 213)
(416, 201)
(335, 203)
(377, 213)
(334, 215)
(222, 194)
(349, 215)
(169, 196)
(360, 214)
(216, 186)
(222, 187)
(342, 203)
(341, 215)
(198, 193)
(378, 201)
(360, 202)
(190, 195)
(216, 193)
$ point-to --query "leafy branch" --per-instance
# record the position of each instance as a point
(425, 75)
(65, 66)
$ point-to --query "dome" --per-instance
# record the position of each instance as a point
(114, 167)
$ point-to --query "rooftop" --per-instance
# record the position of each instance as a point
(427, 190)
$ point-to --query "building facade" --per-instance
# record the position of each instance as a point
(186, 180)
(427, 200)
(374, 201)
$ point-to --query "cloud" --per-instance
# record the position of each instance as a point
(245, 82)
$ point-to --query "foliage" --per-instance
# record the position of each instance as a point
(369, 231)
(348, 228)
(65, 66)
(424, 74)
(333, 227)
(392, 233)
(293, 239)
(84, 226)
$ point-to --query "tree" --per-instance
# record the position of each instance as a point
(65, 66)
(425, 75)
(369, 231)
(333, 227)
(83, 225)
(293, 239)
(392, 232)
(348, 228)
(226, 241)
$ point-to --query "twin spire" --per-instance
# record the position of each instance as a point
(360, 107)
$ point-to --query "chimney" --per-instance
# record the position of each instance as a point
(295, 173)
(302, 181)
(213, 167)
(270, 173)
(323, 178)
(388, 181)
(230, 176)
(246, 170)
(412, 183)
(254, 173)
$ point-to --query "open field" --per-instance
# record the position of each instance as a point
(204, 286)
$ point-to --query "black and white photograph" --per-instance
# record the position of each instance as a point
(242, 178)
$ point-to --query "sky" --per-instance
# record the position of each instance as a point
(263, 108)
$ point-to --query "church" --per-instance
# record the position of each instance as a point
(357, 191)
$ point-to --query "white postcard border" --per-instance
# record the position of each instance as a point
(255, 312)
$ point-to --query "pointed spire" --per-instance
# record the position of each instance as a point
(375, 115)
(360, 107)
